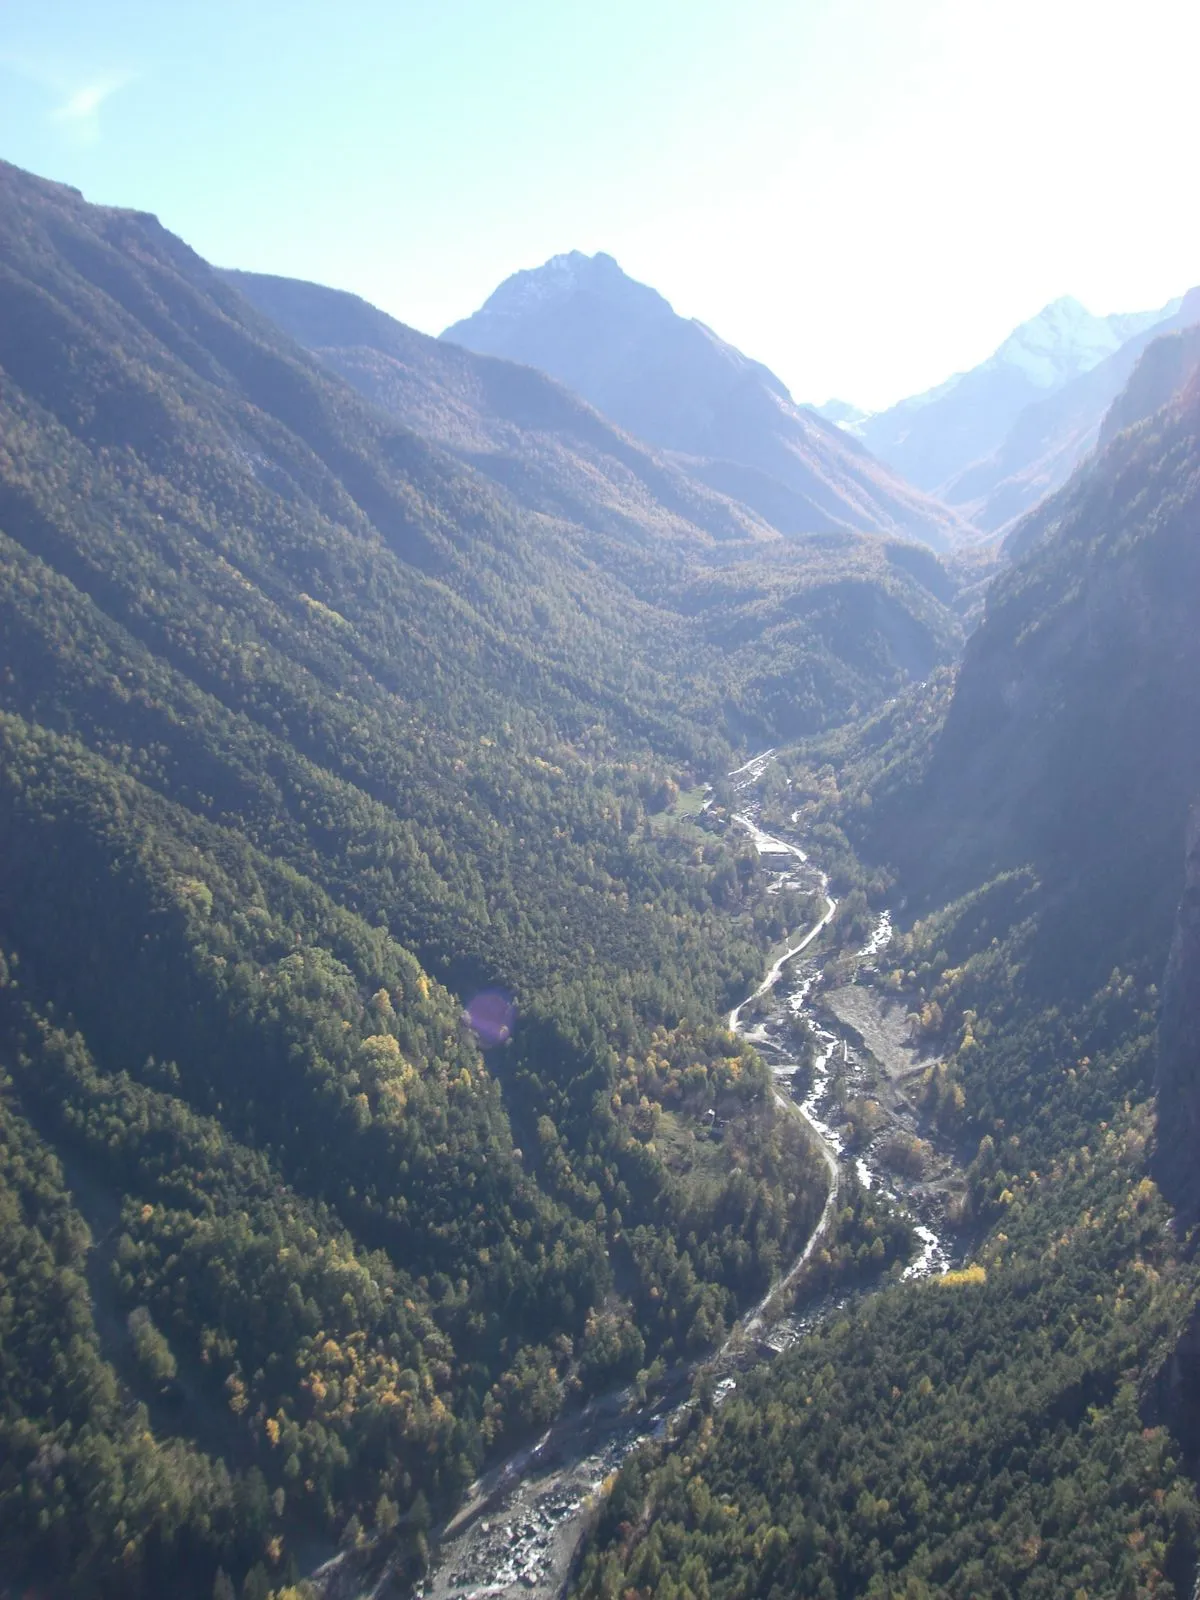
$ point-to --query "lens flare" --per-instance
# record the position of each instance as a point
(490, 1017)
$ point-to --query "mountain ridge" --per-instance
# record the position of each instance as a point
(678, 385)
(1083, 674)
(409, 373)
(692, 552)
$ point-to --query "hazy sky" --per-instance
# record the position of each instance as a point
(865, 194)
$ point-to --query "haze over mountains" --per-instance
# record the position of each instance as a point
(993, 440)
(984, 447)
(728, 420)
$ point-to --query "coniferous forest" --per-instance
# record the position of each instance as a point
(372, 906)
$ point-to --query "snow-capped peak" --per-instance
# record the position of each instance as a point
(557, 279)
(1065, 339)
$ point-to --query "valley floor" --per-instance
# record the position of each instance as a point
(520, 1528)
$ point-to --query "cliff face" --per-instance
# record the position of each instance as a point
(1179, 1047)
(1165, 369)
(1072, 744)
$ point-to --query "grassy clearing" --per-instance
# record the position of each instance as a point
(689, 1152)
(689, 803)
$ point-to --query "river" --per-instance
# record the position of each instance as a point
(520, 1524)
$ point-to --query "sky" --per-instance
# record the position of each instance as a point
(867, 195)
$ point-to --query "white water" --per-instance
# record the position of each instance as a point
(767, 844)
(880, 939)
(933, 1258)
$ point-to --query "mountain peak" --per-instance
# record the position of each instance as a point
(575, 267)
(1065, 308)
(673, 382)
(842, 413)
(1066, 339)
(561, 278)
(1062, 340)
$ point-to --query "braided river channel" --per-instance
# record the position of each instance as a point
(521, 1523)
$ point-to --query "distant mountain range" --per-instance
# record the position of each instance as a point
(991, 441)
(840, 617)
(842, 413)
(727, 420)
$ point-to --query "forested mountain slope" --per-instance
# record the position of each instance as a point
(794, 631)
(1179, 1049)
(301, 721)
(1021, 1426)
(1164, 369)
(673, 382)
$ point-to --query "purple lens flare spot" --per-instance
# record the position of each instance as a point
(490, 1017)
